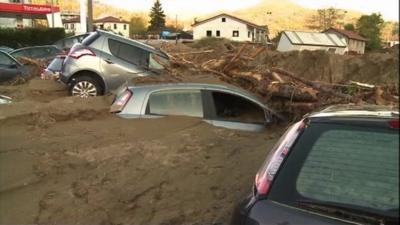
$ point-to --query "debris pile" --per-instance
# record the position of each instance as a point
(285, 91)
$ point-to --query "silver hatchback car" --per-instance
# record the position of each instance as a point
(220, 105)
(104, 61)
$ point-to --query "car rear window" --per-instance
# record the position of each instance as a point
(346, 164)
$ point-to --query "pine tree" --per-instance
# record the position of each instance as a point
(157, 18)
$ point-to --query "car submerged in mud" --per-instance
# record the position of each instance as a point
(337, 166)
(220, 105)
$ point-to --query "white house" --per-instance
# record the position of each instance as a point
(117, 25)
(72, 25)
(355, 42)
(230, 27)
(298, 41)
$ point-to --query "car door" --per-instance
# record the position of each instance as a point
(122, 62)
(8, 68)
(178, 102)
(233, 111)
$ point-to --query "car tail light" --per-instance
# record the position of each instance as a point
(121, 101)
(266, 174)
(76, 54)
(394, 124)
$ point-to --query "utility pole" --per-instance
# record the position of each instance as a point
(90, 15)
(52, 13)
(83, 15)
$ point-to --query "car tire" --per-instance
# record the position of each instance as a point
(85, 87)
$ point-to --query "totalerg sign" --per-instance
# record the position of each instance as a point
(27, 8)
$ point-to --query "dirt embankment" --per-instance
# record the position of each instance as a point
(374, 68)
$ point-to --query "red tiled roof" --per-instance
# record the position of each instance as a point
(349, 34)
(110, 19)
(233, 17)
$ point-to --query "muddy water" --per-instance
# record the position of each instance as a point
(68, 161)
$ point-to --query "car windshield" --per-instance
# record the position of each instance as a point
(351, 165)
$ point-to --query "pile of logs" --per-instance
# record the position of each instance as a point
(282, 90)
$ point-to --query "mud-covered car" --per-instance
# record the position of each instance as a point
(104, 61)
(11, 68)
(220, 105)
(46, 52)
(337, 166)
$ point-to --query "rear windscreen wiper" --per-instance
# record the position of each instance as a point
(349, 212)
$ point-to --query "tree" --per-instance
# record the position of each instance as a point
(349, 26)
(137, 26)
(370, 26)
(326, 18)
(157, 18)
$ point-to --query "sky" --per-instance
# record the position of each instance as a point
(189, 8)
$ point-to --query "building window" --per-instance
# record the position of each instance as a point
(115, 26)
(72, 26)
(218, 33)
(124, 26)
(235, 33)
(248, 34)
(209, 33)
(101, 26)
(223, 19)
(66, 26)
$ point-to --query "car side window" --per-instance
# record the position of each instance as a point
(129, 53)
(235, 108)
(176, 102)
(5, 60)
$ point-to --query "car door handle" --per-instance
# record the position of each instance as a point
(109, 61)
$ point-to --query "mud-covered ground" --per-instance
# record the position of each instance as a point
(64, 160)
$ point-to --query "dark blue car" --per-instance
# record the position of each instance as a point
(338, 166)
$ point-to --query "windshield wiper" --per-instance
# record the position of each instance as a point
(349, 212)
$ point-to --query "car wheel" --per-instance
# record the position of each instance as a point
(85, 87)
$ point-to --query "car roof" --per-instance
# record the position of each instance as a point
(216, 87)
(30, 47)
(138, 44)
(352, 110)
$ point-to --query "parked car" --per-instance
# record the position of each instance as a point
(47, 52)
(104, 61)
(10, 68)
(6, 49)
(337, 166)
(67, 43)
(219, 105)
(53, 70)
